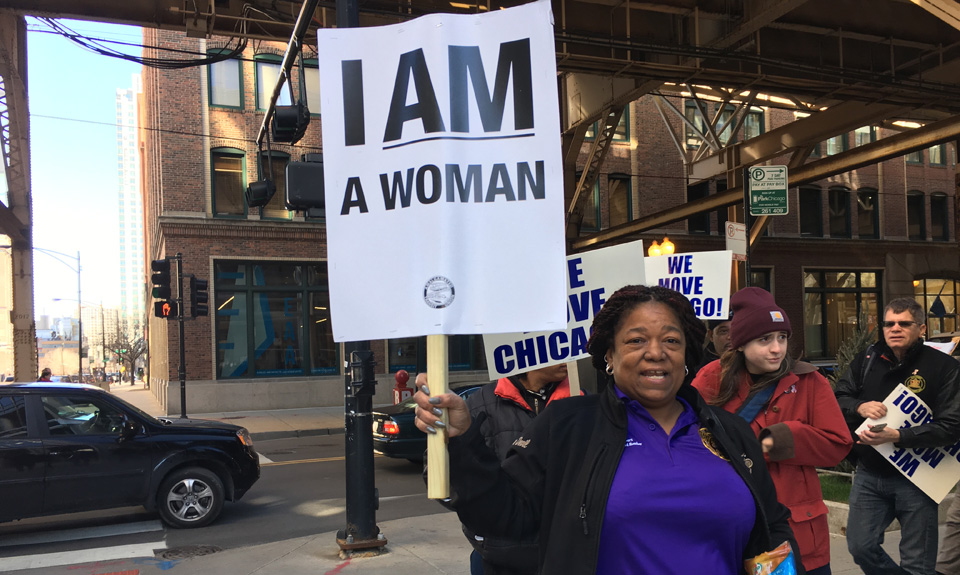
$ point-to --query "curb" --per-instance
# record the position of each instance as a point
(292, 433)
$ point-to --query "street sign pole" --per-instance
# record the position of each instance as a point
(183, 354)
(747, 209)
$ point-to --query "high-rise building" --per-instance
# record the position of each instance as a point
(131, 207)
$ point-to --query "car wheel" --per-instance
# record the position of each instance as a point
(191, 497)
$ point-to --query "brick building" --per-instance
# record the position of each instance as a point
(849, 242)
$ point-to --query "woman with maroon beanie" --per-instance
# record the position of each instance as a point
(790, 407)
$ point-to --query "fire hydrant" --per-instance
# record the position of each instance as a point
(401, 391)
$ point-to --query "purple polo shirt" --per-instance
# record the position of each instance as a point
(674, 506)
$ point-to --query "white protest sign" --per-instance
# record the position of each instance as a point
(443, 175)
(704, 277)
(935, 470)
(591, 278)
(941, 346)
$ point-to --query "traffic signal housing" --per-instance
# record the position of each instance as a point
(160, 279)
(166, 309)
(199, 296)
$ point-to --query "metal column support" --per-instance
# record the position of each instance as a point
(885, 149)
(607, 127)
(16, 219)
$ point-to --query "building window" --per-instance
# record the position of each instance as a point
(229, 181)
(311, 74)
(915, 157)
(811, 212)
(864, 135)
(698, 223)
(225, 83)
(839, 213)
(938, 155)
(267, 72)
(837, 144)
(752, 125)
(692, 137)
(762, 278)
(622, 133)
(868, 213)
(916, 222)
(464, 353)
(275, 209)
(273, 320)
(941, 316)
(619, 199)
(939, 217)
(833, 302)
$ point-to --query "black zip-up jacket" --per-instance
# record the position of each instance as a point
(875, 372)
(501, 420)
(557, 479)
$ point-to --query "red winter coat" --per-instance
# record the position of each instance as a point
(808, 431)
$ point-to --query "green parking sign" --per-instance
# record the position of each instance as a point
(767, 189)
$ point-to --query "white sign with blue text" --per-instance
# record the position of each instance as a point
(704, 277)
(591, 278)
(443, 176)
(933, 469)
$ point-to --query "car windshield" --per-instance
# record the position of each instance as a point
(136, 410)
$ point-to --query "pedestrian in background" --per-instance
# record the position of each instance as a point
(790, 407)
(718, 340)
(643, 477)
(46, 374)
(503, 408)
(880, 493)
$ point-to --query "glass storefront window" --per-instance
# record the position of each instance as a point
(942, 317)
(231, 326)
(277, 328)
(265, 328)
(404, 354)
(834, 304)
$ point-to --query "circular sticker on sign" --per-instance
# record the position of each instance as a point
(439, 292)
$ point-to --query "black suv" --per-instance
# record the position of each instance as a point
(73, 447)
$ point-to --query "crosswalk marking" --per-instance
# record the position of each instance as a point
(81, 533)
(80, 556)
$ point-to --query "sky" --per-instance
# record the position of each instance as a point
(72, 94)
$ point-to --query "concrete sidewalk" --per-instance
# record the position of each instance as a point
(417, 545)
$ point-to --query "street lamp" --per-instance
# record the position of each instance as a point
(54, 254)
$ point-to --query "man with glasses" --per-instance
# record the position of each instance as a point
(880, 493)
(718, 339)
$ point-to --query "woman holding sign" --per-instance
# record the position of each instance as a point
(790, 407)
(641, 477)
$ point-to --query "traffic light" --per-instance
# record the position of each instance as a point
(165, 309)
(160, 279)
(198, 297)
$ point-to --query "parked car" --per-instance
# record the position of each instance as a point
(396, 435)
(72, 447)
(952, 339)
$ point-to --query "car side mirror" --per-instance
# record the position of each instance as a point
(129, 429)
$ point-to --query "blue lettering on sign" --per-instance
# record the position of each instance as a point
(557, 339)
(530, 352)
(909, 405)
(526, 354)
(900, 397)
(578, 341)
(686, 285)
(906, 462)
(573, 268)
(680, 264)
(501, 360)
(932, 456)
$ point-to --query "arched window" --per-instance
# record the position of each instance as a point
(229, 181)
(267, 72)
(619, 199)
(279, 160)
(225, 82)
(811, 212)
(868, 213)
(839, 212)
(939, 216)
(916, 218)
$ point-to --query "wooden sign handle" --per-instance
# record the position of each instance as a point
(438, 460)
(573, 374)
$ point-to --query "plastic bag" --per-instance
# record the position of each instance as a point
(780, 561)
